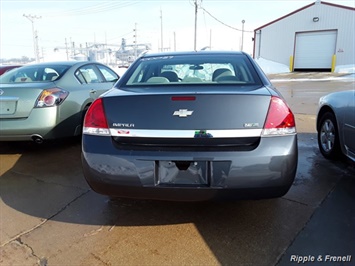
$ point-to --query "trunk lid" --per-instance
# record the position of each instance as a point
(188, 111)
(18, 100)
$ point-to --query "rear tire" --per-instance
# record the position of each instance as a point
(83, 117)
(328, 136)
(78, 135)
(84, 113)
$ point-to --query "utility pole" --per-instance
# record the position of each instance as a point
(195, 37)
(210, 39)
(174, 41)
(196, 8)
(161, 31)
(241, 48)
(66, 49)
(135, 40)
(34, 34)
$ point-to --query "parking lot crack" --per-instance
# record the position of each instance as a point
(99, 259)
(315, 208)
(67, 205)
(44, 221)
(295, 201)
(20, 173)
(41, 261)
(42, 181)
(57, 184)
(15, 238)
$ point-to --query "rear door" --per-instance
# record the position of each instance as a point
(94, 80)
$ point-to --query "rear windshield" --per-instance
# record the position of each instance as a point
(45, 73)
(193, 69)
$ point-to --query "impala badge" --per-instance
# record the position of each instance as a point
(183, 113)
(1, 92)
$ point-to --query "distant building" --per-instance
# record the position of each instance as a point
(317, 37)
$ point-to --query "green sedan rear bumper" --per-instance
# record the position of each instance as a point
(44, 123)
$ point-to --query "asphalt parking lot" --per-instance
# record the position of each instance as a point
(49, 215)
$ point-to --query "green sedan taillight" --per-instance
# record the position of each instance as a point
(51, 97)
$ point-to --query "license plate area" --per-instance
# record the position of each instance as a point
(182, 173)
(8, 106)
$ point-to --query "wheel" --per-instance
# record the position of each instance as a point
(328, 136)
(79, 130)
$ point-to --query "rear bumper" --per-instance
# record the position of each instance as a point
(265, 172)
(40, 122)
(46, 123)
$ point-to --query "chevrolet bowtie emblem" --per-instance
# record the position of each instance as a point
(183, 113)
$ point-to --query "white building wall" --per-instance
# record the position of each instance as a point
(276, 42)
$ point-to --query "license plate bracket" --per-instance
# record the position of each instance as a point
(183, 173)
(7, 107)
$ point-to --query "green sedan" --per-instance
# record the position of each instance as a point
(49, 100)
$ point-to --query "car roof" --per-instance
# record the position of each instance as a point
(9, 66)
(201, 52)
(5, 68)
(56, 63)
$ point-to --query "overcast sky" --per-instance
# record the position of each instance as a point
(219, 23)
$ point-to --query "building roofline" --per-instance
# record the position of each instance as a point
(340, 6)
(302, 8)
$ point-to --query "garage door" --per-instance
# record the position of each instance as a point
(314, 50)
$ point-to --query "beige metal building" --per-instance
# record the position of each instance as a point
(318, 37)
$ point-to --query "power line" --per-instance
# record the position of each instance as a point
(223, 22)
(99, 8)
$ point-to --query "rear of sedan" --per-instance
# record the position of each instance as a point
(191, 127)
(47, 100)
(31, 101)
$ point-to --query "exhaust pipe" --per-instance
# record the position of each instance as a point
(37, 139)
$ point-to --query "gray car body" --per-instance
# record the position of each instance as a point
(342, 105)
(264, 169)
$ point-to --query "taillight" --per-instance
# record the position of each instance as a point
(95, 122)
(280, 119)
(51, 97)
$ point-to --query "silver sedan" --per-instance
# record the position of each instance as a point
(336, 125)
